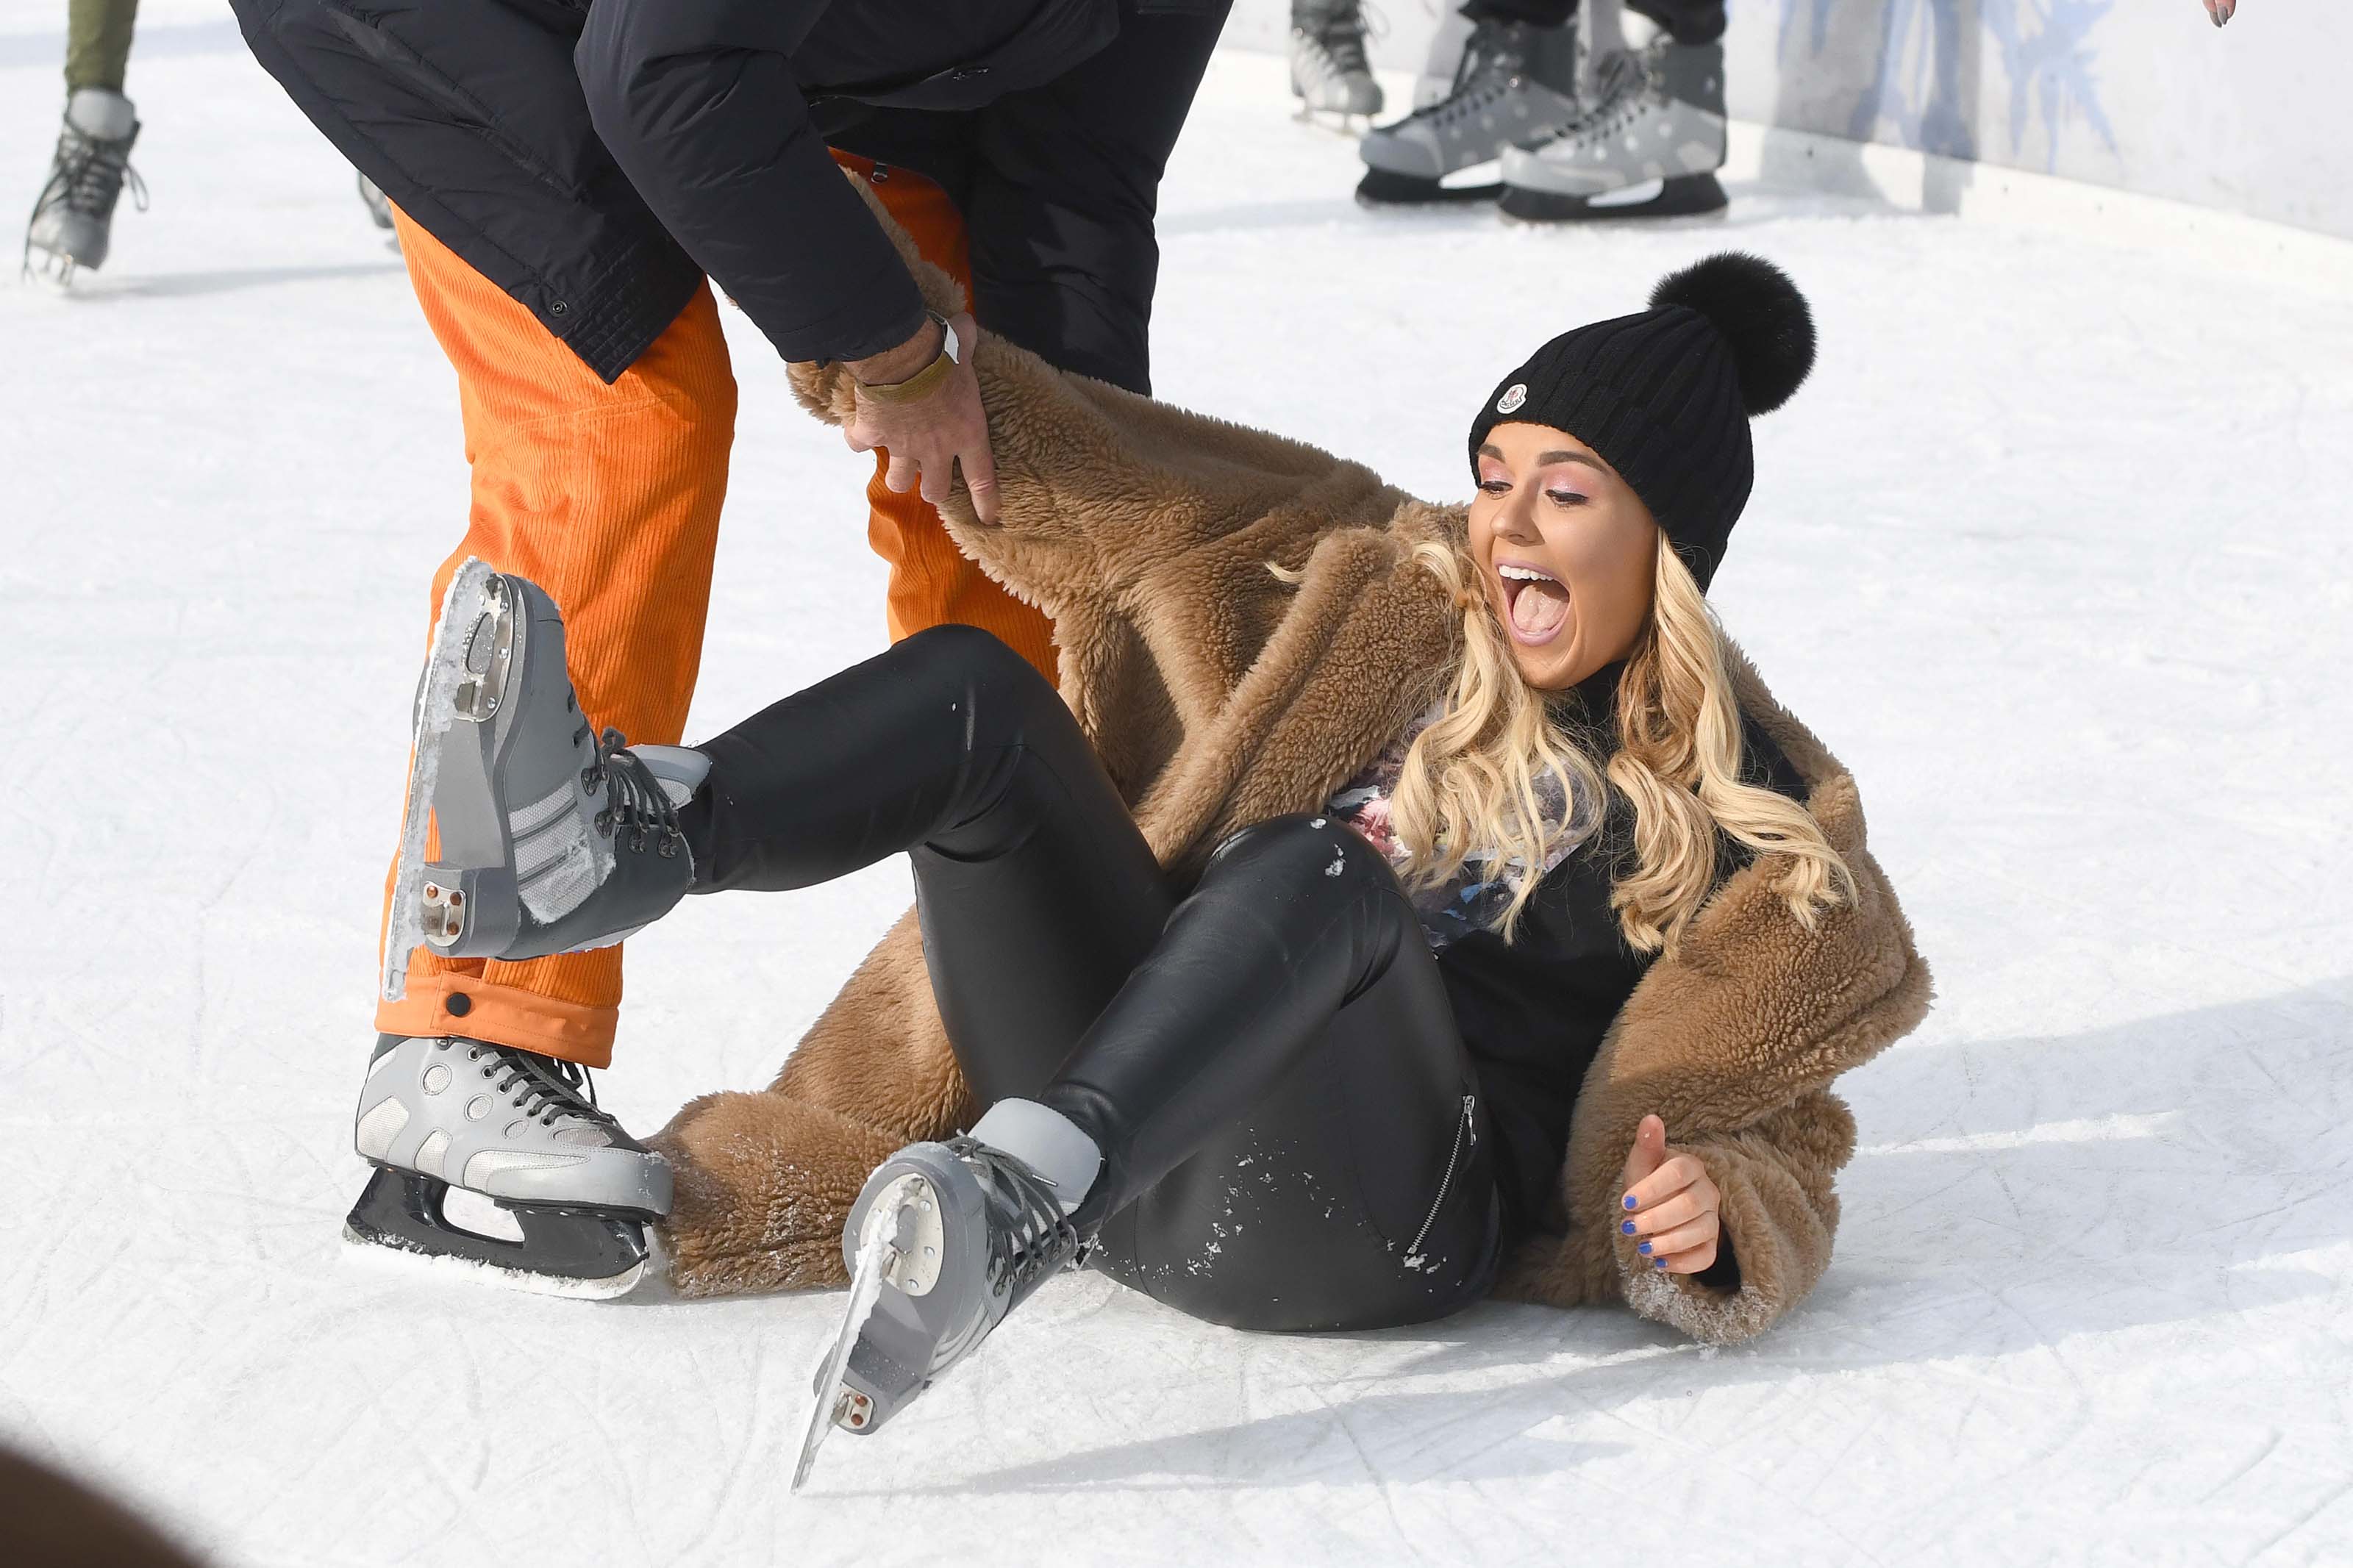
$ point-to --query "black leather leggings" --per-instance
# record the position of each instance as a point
(1290, 1125)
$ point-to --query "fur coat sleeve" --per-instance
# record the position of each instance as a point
(1219, 694)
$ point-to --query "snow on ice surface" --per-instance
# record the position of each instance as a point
(2053, 550)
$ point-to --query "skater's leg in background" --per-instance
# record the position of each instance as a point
(98, 43)
(932, 582)
(1686, 21)
(1037, 892)
(1063, 190)
(609, 497)
(1535, 13)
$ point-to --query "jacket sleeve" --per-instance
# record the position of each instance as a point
(1780, 1212)
(697, 102)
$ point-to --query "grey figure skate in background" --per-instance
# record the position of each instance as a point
(1516, 82)
(1648, 145)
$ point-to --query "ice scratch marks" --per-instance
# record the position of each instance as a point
(2082, 1130)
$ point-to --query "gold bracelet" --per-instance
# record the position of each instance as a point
(925, 381)
(916, 387)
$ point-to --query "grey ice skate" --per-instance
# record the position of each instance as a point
(568, 1191)
(1649, 146)
(552, 841)
(1329, 73)
(1514, 84)
(73, 217)
(943, 1241)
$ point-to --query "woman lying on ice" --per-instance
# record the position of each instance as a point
(1398, 906)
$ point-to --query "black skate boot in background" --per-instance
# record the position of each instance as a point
(1516, 83)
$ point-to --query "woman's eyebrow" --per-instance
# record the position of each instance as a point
(1586, 459)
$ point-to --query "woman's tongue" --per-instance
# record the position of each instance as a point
(1538, 609)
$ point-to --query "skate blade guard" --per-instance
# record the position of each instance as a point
(437, 703)
(552, 1250)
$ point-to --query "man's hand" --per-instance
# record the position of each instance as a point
(926, 440)
(2221, 10)
(1670, 1203)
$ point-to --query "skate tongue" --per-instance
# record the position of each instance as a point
(99, 113)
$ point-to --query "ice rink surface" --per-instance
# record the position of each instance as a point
(2054, 550)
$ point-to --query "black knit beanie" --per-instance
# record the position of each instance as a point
(1665, 396)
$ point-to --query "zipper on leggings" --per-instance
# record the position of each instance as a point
(1466, 1134)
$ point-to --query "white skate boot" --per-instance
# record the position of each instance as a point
(491, 1155)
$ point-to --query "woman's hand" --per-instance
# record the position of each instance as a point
(2221, 10)
(1671, 1206)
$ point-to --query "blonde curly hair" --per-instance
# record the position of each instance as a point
(1471, 788)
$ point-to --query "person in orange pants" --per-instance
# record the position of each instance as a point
(609, 497)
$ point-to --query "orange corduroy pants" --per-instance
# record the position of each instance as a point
(609, 497)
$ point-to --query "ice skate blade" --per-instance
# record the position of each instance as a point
(1338, 121)
(51, 271)
(363, 1253)
(836, 1404)
(583, 1254)
(1689, 196)
(1380, 188)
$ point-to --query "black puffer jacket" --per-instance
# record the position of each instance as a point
(596, 160)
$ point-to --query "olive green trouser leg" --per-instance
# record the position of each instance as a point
(97, 42)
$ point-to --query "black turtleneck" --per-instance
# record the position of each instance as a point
(1533, 1013)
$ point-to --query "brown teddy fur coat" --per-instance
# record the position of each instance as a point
(1220, 695)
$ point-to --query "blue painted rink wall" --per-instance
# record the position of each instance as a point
(2142, 95)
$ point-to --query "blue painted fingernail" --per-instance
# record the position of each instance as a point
(1658, 1263)
(1628, 1228)
(1631, 1203)
(1644, 1249)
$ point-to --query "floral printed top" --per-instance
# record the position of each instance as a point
(1477, 895)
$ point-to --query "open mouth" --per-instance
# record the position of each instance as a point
(1536, 603)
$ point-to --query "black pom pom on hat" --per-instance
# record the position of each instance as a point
(1762, 316)
(1665, 396)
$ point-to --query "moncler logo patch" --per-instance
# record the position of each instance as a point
(1514, 395)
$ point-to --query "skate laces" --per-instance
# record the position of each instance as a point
(551, 1089)
(1338, 35)
(1346, 32)
(87, 176)
(1623, 85)
(1492, 61)
(1036, 1237)
(637, 803)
